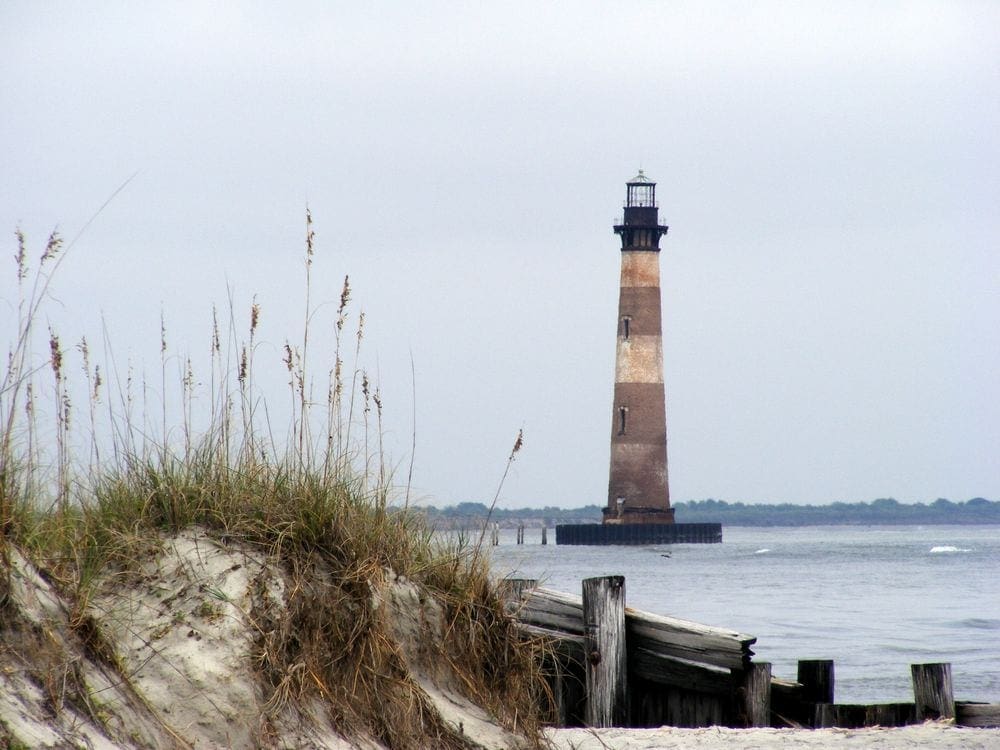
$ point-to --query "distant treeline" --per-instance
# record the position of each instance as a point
(885, 511)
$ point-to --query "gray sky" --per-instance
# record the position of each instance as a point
(830, 173)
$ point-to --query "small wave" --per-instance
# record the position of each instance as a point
(948, 549)
(762, 551)
(909, 648)
(979, 623)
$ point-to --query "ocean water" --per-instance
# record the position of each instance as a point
(875, 599)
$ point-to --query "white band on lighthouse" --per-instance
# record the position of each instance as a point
(640, 268)
(639, 359)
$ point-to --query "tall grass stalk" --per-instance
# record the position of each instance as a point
(304, 443)
(515, 449)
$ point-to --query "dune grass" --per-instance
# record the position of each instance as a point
(319, 498)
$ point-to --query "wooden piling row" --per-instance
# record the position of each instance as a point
(495, 534)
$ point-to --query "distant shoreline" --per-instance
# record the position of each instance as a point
(883, 512)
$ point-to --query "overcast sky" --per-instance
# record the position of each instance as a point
(830, 173)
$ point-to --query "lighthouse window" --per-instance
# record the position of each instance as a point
(622, 413)
(625, 327)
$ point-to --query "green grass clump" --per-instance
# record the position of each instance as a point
(319, 503)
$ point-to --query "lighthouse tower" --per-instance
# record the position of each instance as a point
(637, 487)
(638, 509)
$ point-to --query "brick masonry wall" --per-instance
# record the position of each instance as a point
(638, 472)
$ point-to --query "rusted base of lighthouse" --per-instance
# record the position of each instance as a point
(638, 533)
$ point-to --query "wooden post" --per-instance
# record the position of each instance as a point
(816, 677)
(757, 694)
(932, 691)
(545, 539)
(604, 651)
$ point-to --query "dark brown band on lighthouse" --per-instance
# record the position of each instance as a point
(644, 424)
(641, 304)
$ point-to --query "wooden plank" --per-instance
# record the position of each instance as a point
(858, 716)
(569, 645)
(605, 663)
(970, 714)
(787, 707)
(514, 592)
(563, 667)
(786, 687)
(658, 705)
(566, 680)
(932, 691)
(654, 624)
(890, 715)
(662, 669)
(844, 715)
(688, 640)
(553, 609)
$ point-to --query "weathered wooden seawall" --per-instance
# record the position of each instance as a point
(675, 671)
(611, 665)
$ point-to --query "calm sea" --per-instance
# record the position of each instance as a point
(873, 599)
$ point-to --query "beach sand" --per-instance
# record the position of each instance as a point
(934, 735)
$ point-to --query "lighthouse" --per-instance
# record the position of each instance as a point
(638, 490)
(638, 509)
